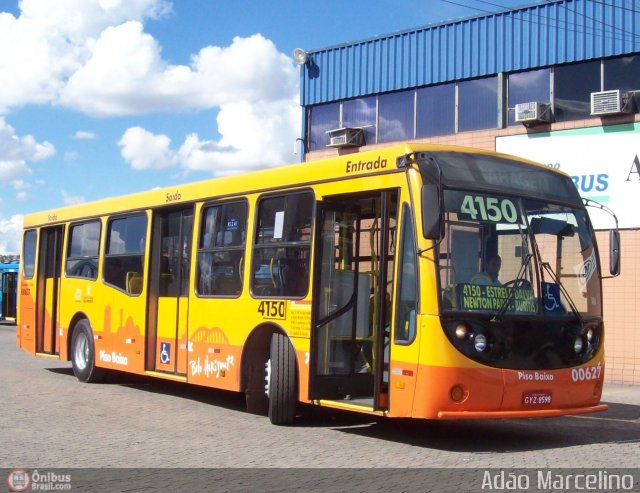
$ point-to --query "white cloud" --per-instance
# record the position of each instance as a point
(10, 233)
(255, 88)
(251, 69)
(71, 156)
(20, 185)
(94, 56)
(22, 196)
(84, 135)
(51, 40)
(9, 170)
(127, 75)
(68, 199)
(15, 151)
(254, 136)
(144, 150)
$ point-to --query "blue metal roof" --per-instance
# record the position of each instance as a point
(537, 35)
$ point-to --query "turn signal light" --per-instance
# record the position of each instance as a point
(597, 390)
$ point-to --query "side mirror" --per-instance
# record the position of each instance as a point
(431, 217)
(614, 252)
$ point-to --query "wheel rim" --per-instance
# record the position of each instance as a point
(267, 377)
(82, 351)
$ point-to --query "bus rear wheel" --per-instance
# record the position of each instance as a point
(281, 376)
(83, 354)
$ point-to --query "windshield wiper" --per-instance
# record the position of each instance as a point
(555, 279)
(512, 289)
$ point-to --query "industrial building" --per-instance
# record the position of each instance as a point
(557, 82)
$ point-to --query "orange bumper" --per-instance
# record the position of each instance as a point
(538, 413)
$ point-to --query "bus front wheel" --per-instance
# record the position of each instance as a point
(83, 354)
(281, 375)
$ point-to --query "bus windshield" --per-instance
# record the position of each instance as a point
(508, 255)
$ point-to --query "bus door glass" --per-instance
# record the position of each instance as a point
(9, 294)
(353, 276)
(49, 265)
(167, 344)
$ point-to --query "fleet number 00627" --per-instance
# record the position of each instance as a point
(588, 373)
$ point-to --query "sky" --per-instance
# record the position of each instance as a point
(101, 98)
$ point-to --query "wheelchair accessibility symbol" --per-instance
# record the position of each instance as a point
(551, 299)
(165, 353)
(551, 303)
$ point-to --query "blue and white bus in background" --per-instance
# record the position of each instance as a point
(8, 290)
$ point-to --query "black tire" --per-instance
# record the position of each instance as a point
(83, 354)
(282, 381)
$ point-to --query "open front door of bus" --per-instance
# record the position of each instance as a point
(351, 293)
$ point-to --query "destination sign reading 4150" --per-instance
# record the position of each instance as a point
(488, 209)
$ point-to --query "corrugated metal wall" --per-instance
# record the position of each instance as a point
(539, 35)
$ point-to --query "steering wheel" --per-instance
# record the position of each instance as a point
(518, 283)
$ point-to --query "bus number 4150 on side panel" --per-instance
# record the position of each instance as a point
(273, 310)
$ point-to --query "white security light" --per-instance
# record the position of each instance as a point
(300, 56)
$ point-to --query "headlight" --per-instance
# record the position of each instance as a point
(590, 334)
(480, 342)
(462, 331)
(578, 344)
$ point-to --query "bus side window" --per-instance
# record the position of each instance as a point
(83, 250)
(124, 256)
(282, 246)
(221, 249)
(407, 304)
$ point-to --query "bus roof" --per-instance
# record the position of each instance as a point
(353, 165)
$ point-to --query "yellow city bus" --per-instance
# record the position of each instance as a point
(354, 282)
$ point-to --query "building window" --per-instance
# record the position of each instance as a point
(526, 87)
(322, 118)
(82, 252)
(622, 73)
(573, 85)
(221, 249)
(478, 104)
(395, 120)
(282, 246)
(29, 253)
(436, 110)
(124, 257)
(361, 112)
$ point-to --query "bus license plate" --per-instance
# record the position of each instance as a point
(536, 398)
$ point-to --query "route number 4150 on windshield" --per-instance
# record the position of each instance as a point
(489, 209)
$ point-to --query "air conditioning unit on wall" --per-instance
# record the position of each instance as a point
(611, 102)
(533, 112)
(346, 137)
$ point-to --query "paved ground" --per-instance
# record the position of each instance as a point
(49, 419)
